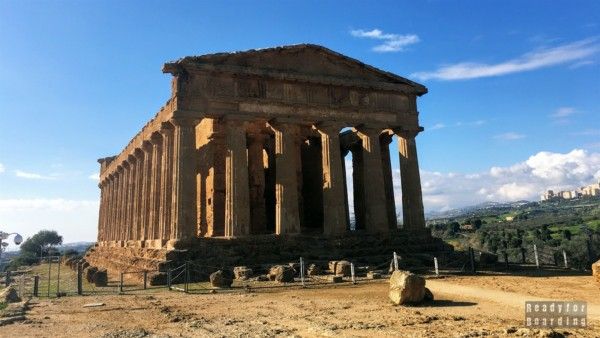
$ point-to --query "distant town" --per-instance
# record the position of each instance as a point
(587, 191)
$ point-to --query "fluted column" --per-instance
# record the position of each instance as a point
(137, 195)
(388, 180)
(412, 197)
(183, 202)
(120, 228)
(111, 208)
(334, 211)
(166, 183)
(102, 186)
(375, 204)
(155, 186)
(237, 204)
(131, 185)
(287, 153)
(145, 192)
(256, 178)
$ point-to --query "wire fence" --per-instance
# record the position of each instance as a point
(57, 276)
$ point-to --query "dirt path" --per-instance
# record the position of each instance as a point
(502, 298)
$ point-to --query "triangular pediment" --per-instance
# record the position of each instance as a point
(305, 60)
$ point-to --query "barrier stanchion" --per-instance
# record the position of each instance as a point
(535, 252)
(565, 259)
(435, 264)
(145, 279)
(352, 273)
(302, 271)
(395, 261)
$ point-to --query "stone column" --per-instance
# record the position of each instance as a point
(256, 177)
(237, 204)
(184, 216)
(145, 193)
(375, 204)
(412, 198)
(287, 153)
(131, 187)
(102, 186)
(120, 229)
(112, 201)
(334, 210)
(137, 199)
(388, 180)
(155, 186)
(117, 203)
(166, 183)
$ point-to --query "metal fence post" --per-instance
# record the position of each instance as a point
(49, 273)
(352, 273)
(145, 280)
(187, 276)
(435, 264)
(58, 279)
(302, 271)
(121, 283)
(565, 259)
(537, 261)
(395, 261)
(79, 279)
(36, 285)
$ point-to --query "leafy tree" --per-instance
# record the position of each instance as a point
(40, 240)
(566, 234)
(477, 223)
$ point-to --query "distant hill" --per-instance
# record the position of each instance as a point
(473, 209)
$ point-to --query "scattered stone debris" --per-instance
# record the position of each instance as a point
(242, 272)
(373, 275)
(9, 295)
(336, 279)
(407, 288)
(282, 273)
(221, 279)
(342, 268)
(314, 270)
(94, 305)
(135, 333)
(596, 271)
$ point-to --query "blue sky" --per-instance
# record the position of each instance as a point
(513, 106)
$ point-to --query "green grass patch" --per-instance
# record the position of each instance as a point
(3, 306)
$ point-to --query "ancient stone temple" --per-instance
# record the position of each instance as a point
(250, 149)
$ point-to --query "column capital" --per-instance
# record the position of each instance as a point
(386, 138)
(166, 127)
(147, 146)
(407, 133)
(124, 165)
(183, 121)
(138, 153)
(368, 130)
(131, 159)
(156, 138)
(285, 127)
(328, 127)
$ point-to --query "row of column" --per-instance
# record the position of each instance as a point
(151, 197)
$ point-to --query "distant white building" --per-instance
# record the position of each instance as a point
(587, 191)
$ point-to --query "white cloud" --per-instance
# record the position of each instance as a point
(524, 180)
(94, 176)
(587, 132)
(437, 126)
(75, 220)
(541, 58)
(509, 136)
(32, 176)
(2, 168)
(581, 64)
(562, 114)
(391, 42)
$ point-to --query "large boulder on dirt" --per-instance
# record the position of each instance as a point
(221, 279)
(101, 278)
(342, 268)
(282, 273)
(596, 271)
(9, 295)
(314, 270)
(406, 288)
(242, 272)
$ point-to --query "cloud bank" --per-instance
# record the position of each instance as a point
(572, 52)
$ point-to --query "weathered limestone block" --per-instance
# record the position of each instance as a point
(342, 268)
(9, 295)
(101, 278)
(406, 288)
(331, 266)
(221, 279)
(282, 273)
(336, 279)
(596, 271)
(373, 275)
(242, 272)
(314, 270)
(89, 273)
(428, 295)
